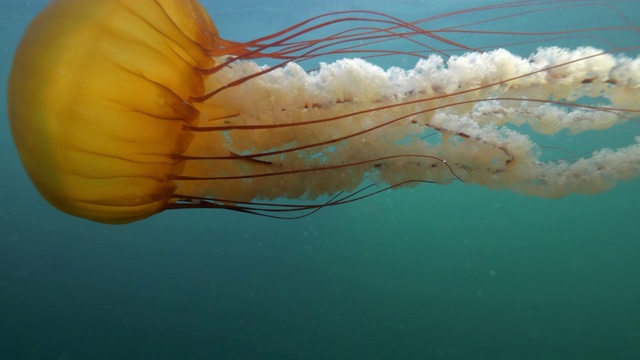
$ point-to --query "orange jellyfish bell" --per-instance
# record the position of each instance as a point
(98, 97)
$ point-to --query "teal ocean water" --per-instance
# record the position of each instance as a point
(432, 272)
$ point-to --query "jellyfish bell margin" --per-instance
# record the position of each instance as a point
(121, 109)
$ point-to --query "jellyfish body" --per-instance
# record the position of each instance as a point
(97, 102)
(123, 109)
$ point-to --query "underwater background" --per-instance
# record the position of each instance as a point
(432, 272)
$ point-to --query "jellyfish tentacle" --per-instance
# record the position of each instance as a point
(362, 107)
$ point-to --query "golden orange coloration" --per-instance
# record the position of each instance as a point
(101, 115)
(121, 109)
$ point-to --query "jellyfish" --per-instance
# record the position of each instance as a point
(123, 109)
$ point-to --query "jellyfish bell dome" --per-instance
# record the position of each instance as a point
(98, 95)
